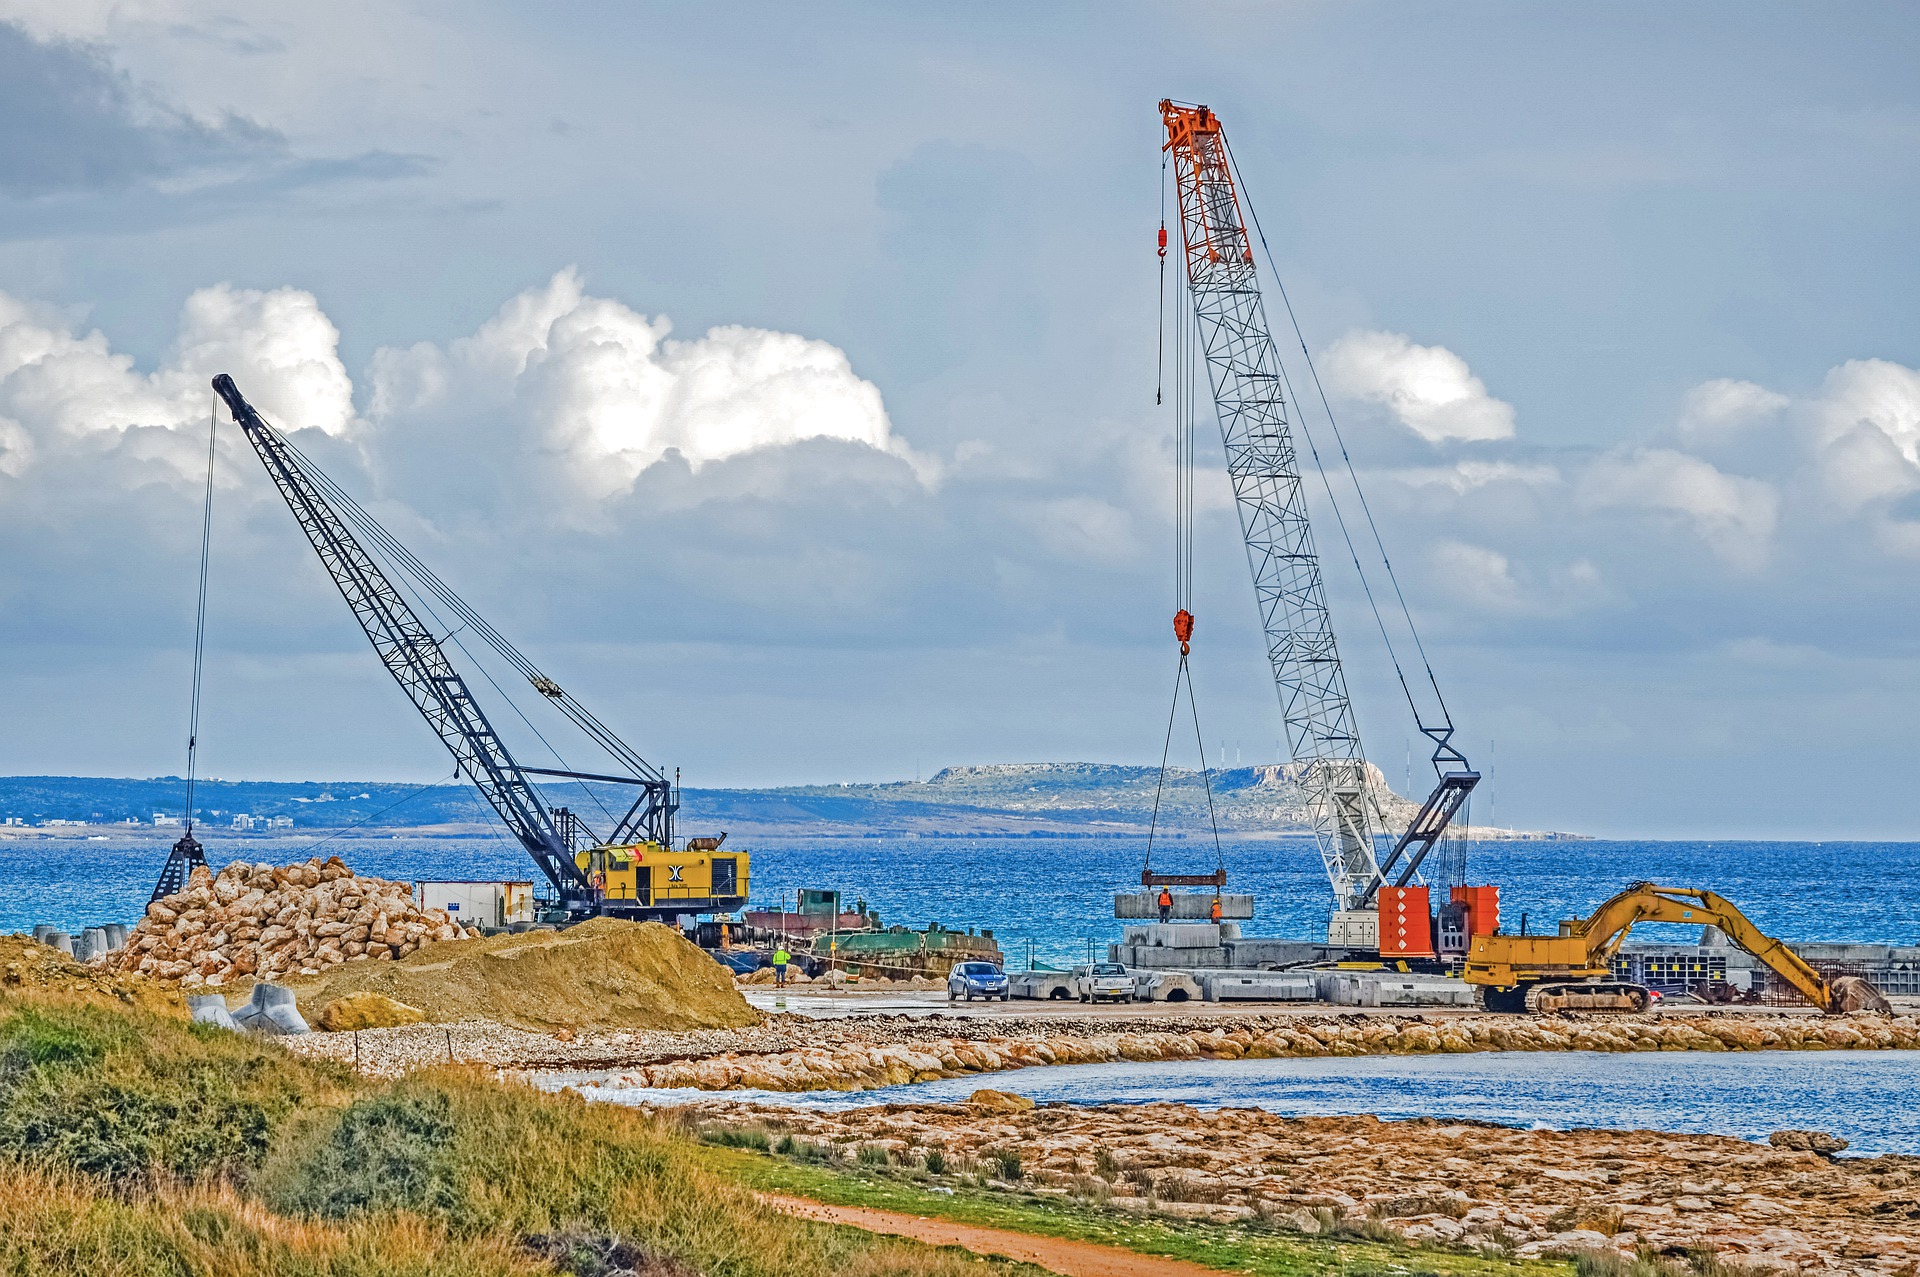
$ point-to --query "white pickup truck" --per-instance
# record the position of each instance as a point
(1103, 980)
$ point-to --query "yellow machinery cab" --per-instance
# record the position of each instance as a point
(647, 879)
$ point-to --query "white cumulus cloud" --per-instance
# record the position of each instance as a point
(1429, 389)
(605, 388)
(1733, 514)
(1722, 407)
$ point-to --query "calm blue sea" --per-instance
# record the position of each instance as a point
(1055, 893)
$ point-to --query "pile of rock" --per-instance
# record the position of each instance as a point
(266, 921)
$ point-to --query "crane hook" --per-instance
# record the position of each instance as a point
(1163, 239)
(1183, 629)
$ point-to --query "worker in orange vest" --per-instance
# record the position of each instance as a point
(1166, 905)
(1213, 914)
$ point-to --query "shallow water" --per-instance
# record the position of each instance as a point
(1865, 1097)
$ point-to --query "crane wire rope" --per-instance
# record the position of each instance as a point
(1352, 475)
(200, 615)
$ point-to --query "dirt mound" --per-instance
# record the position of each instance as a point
(367, 1011)
(262, 921)
(603, 974)
(30, 967)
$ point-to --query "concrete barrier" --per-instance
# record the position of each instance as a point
(1391, 989)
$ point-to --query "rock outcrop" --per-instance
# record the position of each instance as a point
(265, 921)
(1532, 1193)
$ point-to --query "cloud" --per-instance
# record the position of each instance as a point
(1716, 409)
(1866, 421)
(1735, 515)
(76, 123)
(602, 388)
(1429, 389)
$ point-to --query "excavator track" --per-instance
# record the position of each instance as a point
(1603, 996)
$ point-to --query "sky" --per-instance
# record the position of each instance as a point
(781, 378)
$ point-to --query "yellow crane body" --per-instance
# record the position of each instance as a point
(1573, 970)
(648, 875)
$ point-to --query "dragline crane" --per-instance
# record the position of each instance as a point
(1248, 384)
(634, 871)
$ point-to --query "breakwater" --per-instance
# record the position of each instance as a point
(856, 1066)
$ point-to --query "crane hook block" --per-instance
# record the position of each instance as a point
(1183, 628)
(1163, 239)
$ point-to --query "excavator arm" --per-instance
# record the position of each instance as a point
(1607, 930)
(1515, 969)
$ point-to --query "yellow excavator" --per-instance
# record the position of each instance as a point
(1573, 971)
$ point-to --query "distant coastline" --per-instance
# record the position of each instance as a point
(1037, 800)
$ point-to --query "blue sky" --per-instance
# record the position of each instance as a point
(781, 377)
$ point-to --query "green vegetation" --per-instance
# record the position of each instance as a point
(1252, 1246)
(134, 1142)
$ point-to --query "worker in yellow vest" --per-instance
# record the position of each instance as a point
(780, 960)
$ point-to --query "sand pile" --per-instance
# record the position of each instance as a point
(30, 967)
(600, 974)
(267, 922)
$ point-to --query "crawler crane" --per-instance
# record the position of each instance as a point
(633, 872)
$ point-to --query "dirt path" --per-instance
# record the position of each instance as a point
(1069, 1258)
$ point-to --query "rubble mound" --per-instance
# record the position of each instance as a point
(268, 923)
(1853, 993)
(1808, 1142)
(27, 966)
(602, 974)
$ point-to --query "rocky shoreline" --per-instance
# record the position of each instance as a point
(797, 1053)
(1779, 1207)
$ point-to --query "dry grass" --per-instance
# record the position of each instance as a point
(53, 1225)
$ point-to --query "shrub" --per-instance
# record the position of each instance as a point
(1105, 1164)
(936, 1162)
(1006, 1164)
(388, 1152)
(871, 1155)
(129, 1096)
(739, 1137)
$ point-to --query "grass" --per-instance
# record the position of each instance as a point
(131, 1142)
(1248, 1247)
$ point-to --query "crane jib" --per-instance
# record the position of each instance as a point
(416, 660)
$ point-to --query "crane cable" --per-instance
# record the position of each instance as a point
(1183, 493)
(200, 615)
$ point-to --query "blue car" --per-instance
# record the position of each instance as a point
(976, 979)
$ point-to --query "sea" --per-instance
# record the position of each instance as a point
(1050, 900)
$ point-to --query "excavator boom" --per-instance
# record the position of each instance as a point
(1580, 958)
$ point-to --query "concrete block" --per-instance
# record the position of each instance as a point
(1257, 951)
(1160, 958)
(1054, 986)
(1191, 906)
(1391, 989)
(1255, 986)
(43, 932)
(116, 936)
(271, 1011)
(211, 1009)
(1177, 935)
(59, 940)
(1167, 986)
(90, 944)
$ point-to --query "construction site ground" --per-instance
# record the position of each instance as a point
(829, 1004)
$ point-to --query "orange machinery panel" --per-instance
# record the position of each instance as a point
(1483, 908)
(1406, 922)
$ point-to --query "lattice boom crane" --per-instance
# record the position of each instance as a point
(1245, 374)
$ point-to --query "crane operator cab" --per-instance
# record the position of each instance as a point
(645, 879)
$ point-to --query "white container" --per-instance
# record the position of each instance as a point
(478, 904)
